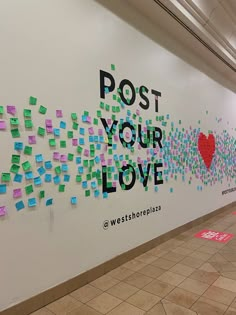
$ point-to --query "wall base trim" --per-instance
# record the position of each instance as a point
(40, 300)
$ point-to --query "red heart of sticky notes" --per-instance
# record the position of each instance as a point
(206, 147)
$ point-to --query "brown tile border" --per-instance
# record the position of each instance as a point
(50, 295)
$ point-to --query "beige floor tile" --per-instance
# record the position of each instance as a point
(144, 300)
(104, 283)
(122, 290)
(225, 283)
(163, 263)
(126, 309)
(158, 288)
(138, 280)
(194, 286)
(204, 276)
(146, 258)
(207, 267)
(208, 249)
(229, 274)
(174, 309)
(182, 297)
(134, 265)
(158, 252)
(42, 311)
(157, 310)
(104, 303)
(190, 246)
(151, 271)
(175, 257)
(223, 267)
(183, 251)
(233, 304)
(217, 258)
(182, 269)
(230, 311)
(64, 305)
(84, 310)
(86, 293)
(205, 306)
(219, 295)
(120, 273)
(192, 262)
(230, 256)
(171, 278)
(200, 255)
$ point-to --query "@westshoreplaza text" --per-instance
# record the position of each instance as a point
(129, 217)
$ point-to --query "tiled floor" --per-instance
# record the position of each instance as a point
(183, 276)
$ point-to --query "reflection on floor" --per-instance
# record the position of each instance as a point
(183, 276)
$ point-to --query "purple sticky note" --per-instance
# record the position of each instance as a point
(74, 142)
(138, 112)
(59, 113)
(56, 156)
(3, 211)
(11, 109)
(63, 158)
(124, 163)
(109, 162)
(48, 123)
(91, 131)
(49, 129)
(89, 119)
(32, 140)
(86, 152)
(17, 193)
(100, 132)
(116, 138)
(102, 158)
(113, 184)
(103, 163)
(109, 121)
(3, 125)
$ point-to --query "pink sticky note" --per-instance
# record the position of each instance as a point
(216, 236)
(91, 131)
(17, 193)
(138, 112)
(109, 161)
(11, 109)
(3, 125)
(56, 156)
(104, 163)
(3, 211)
(59, 113)
(127, 134)
(89, 119)
(139, 146)
(124, 163)
(48, 123)
(86, 152)
(32, 139)
(116, 138)
(139, 159)
(102, 158)
(63, 158)
(100, 132)
(109, 121)
(74, 142)
(113, 184)
(49, 129)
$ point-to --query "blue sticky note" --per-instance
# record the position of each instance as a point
(81, 131)
(101, 139)
(95, 138)
(57, 132)
(105, 195)
(63, 124)
(106, 90)
(84, 118)
(96, 193)
(48, 165)
(56, 180)
(3, 188)
(114, 146)
(81, 169)
(29, 175)
(18, 178)
(73, 200)
(37, 181)
(78, 160)
(41, 170)
(48, 178)
(93, 185)
(18, 146)
(81, 141)
(66, 178)
(84, 184)
(39, 158)
(156, 188)
(64, 167)
(98, 146)
(49, 202)
(97, 159)
(91, 138)
(32, 202)
(171, 190)
(20, 205)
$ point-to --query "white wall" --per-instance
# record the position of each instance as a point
(54, 50)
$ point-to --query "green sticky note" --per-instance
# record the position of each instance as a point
(99, 113)
(41, 131)
(70, 134)
(107, 107)
(79, 149)
(58, 170)
(102, 105)
(28, 150)
(62, 144)
(41, 194)
(15, 158)
(95, 121)
(42, 110)
(86, 113)
(26, 166)
(70, 157)
(113, 67)
(1, 110)
(78, 178)
(32, 100)
(28, 123)
(74, 116)
(14, 168)
(87, 193)
(6, 177)
(75, 125)
(14, 121)
(52, 142)
(29, 189)
(15, 133)
(85, 163)
(88, 177)
(27, 113)
(61, 188)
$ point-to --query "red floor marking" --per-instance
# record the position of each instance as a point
(216, 236)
